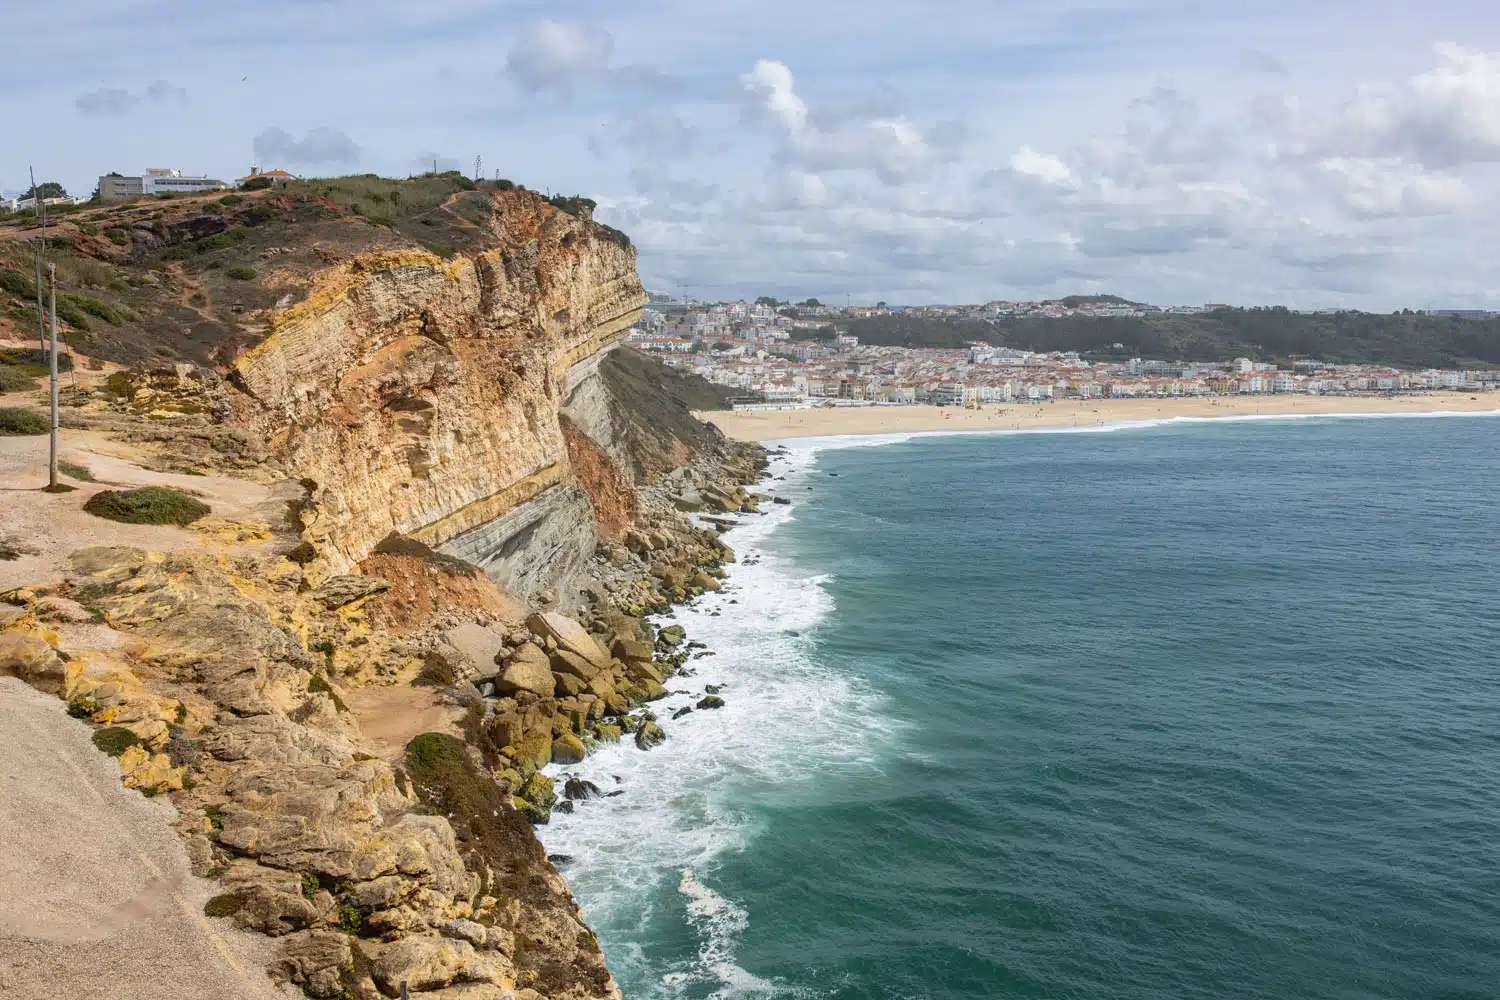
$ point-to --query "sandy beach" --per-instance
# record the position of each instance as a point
(820, 421)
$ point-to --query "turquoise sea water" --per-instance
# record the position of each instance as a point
(1195, 710)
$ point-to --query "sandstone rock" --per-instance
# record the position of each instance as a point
(688, 501)
(711, 701)
(630, 650)
(537, 797)
(568, 686)
(315, 961)
(567, 749)
(534, 751)
(426, 963)
(480, 644)
(569, 637)
(33, 660)
(648, 735)
(671, 636)
(607, 733)
(339, 591)
(646, 671)
(704, 581)
(567, 662)
(527, 670)
(447, 664)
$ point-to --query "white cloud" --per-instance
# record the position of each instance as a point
(557, 56)
(769, 88)
(1447, 116)
(320, 145)
(1374, 188)
(1042, 167)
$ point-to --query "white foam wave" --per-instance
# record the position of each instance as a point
(789, 724)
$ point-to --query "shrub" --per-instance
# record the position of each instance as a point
(13, 379)
(213, 208)
(231, 199)
(71, 313)
(17, 284)
(220, 241)
(241, 273)
(147, 505)
(443, 250)
(117, 236)
(92, 306)
(259, 214)
(256, 184)
(16, 420)
(302, 554)
(504, 184)
(115, 740)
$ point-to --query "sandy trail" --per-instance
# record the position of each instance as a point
(96, 897)
(820, 421)
(390, 717)
(52, 525)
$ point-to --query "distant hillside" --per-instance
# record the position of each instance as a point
(1406, 340)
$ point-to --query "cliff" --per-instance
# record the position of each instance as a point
(422, 395)
(442, 499)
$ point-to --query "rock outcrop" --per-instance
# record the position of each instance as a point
(422, 396)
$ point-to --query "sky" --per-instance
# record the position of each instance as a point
(1313, 154)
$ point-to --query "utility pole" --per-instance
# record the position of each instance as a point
(41, 320)
(478, 168)
(52, 463)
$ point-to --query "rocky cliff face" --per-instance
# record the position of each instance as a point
(422, 395)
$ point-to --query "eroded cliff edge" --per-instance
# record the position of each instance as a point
(459, 488)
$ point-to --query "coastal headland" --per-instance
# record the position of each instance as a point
(1082, 414)
(359, 531)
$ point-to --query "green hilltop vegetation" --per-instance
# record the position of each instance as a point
(1406, 340)
(169, 278)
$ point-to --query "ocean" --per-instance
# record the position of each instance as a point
(1192, 710)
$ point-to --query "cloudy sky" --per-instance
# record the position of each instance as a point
(1249, 151)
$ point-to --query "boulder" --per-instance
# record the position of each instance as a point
(581, 788)
(569, 636)
(339, 591)
(671, 636)
(568, 686)
(567, 662)
(567, 749)
(711, 701)
(705, 582)
(688, 500)
(33, 660)
(314, 960)
(648, 735)
(630, 650)
(534, 751)
(478, 644)
(527, 670)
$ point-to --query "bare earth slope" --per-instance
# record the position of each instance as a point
(96, 897)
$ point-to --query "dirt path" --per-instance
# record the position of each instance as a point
(390, 716)
(52, 525)
(96, 898)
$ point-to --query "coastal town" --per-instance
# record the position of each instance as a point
(785, 356)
